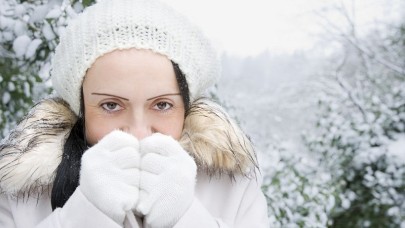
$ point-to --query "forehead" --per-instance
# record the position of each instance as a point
(126, 64)
(131, 72)
(133, 58)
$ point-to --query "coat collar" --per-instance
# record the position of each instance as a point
(30, 155)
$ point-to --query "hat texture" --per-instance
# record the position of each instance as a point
(122, 24)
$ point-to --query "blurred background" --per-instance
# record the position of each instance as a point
(319, 86)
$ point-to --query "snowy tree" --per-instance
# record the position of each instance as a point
(299, 194)
(29, 32)
(361, 122)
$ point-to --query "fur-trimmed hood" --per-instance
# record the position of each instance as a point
(30, 155)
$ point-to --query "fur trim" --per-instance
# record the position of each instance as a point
(31, 154)
(217, 143)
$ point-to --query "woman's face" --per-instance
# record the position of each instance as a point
(134, 91)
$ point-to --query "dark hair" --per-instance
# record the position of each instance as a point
(68, 172)
(183, 86)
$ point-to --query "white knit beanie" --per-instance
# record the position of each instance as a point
(122, 24)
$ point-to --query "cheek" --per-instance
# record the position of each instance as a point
(96, 128)
(172, 126)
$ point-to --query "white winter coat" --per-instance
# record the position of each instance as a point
(30, 156)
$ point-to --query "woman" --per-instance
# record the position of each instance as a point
(128, 140)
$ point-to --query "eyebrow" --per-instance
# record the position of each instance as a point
(168, 94)
(111, 95)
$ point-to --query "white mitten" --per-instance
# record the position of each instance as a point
(109, 175)
(167, 181)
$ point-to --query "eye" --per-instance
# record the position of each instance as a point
(111, 107)
(163, 106)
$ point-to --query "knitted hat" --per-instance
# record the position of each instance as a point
(122, 24)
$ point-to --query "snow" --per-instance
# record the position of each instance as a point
(40, 13)
(54, 13)
(27, 89)
(7, 36)
(6, 23)
(11, 86)
(19, 10)
(48, 32)
(6, 97)
(32, 48)
(20, 28)
(20, 45)
(345, 202)
(397, 148)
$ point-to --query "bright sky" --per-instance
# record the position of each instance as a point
(248, 27)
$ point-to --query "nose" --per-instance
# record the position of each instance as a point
(140, 132)
(138, 126)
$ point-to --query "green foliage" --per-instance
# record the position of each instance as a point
(87, 2)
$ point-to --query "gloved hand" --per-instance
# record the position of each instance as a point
(167, 181)
(109, 175)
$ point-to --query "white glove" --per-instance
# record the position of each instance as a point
(167, 181)
(109, 175)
